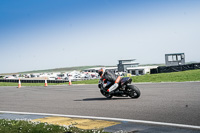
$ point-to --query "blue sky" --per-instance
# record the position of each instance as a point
(44, 34)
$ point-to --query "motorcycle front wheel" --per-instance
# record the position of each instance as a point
(107, 95)
(133, 91)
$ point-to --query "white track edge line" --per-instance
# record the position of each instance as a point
(108, 118)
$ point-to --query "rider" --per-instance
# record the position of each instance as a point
(107, 75)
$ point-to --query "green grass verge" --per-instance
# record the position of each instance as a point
(21, 126)
(92, 81)
(191, 75)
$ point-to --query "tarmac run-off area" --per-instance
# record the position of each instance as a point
(161, 107)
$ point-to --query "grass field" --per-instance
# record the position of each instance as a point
(191, 75)
(21, 126)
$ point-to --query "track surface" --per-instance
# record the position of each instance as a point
(161, 102)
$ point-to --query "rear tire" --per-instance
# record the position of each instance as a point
(106, 94)
(133, 91)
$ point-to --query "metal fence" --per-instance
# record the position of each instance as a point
(32, 81)
(39, 81)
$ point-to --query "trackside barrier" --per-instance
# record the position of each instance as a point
(166, 69)
(38, 81)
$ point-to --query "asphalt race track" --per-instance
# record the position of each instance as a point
(160, 102)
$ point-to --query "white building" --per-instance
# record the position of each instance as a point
(140, 70)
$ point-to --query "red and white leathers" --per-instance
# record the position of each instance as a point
(109, 76)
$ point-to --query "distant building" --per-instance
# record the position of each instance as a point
(124, 64)
(175, 59)
(140, 70)
(114, 69)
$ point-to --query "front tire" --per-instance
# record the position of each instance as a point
(133, 91)
(106, 94)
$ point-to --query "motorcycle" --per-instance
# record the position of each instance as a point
(124, 89)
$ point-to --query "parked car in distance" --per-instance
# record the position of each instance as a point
(58, 78)
(9, 77)
(52, 78)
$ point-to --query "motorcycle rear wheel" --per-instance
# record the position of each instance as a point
(133, 91)
(107, 95)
